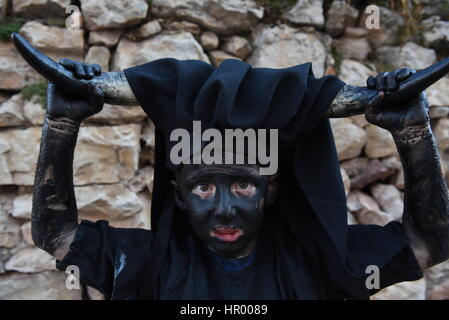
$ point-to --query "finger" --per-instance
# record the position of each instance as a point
(390, 82)
(97, 69)
(373, 107)
(404, 73)
(96, 96)
(371, 117)
(88, 71)
(68, 63)
(380, 82)
(375, 101)
(79, 71)
(370, 82)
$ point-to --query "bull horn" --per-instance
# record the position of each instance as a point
(114, 84)
(417, 83)
(351, 100)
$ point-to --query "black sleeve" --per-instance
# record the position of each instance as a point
(403, 267)
(108, 257)
(386, 247)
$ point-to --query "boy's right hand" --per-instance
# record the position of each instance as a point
(61, 104)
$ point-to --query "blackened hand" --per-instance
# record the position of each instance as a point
(412, 113)
(64, 105)
(81, 70)
(389, 81)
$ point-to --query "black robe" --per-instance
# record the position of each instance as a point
(311, 251)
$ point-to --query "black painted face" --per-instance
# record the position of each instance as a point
(225, 204)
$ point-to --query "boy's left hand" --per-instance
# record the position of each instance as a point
(412, 113)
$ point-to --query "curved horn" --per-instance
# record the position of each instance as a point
(114, 84)
(351, 100)
(418, 82)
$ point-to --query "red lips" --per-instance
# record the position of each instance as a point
(227, 234)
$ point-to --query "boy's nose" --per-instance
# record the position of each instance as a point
(223, 205)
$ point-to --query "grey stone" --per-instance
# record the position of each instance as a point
(94, 294)
(25, 230)
(47, 285)
(437, 279)
(352, 48)
(147, 135)
(365, 209)
(34, 111)
(238, 46)
(116, 115)
(106, 154)
(339, 16)
(22, 206)
(18, 155)
(441, 131)
(107, 202)
(99, 55)
(56, 42)
(143, 178)
(9, 229)
(32, 9)
(103, 14)
(209, 40)
(379, 142)
(149, 29)
(15, 73)
(346, 180)
(179, 45)
(439, 112)
(436, 33)
(389, 198)
(185, 26)
(282, 46)
(11, 112)
(306, 12)
(220, 16)
(410, 55)
(354, 73)
(30, 260)
(411, 290)
(218, 56)
(373, 171)
(437, 93)
(108, 38)
(349, 138)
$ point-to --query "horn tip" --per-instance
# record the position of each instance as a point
(15, 37)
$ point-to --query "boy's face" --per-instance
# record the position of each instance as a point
(225, 204)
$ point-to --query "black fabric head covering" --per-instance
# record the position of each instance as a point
(311, 200)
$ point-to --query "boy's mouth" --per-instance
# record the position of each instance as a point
(227, 234)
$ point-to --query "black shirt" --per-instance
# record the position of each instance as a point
(115, 261)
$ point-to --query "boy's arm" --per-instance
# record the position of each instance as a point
(54, 214)
(426, 200)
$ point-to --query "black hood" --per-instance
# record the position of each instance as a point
(311, 201)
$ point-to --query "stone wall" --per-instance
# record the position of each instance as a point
(114, 156)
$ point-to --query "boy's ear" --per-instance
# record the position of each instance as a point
(272, 190)
(178, 197)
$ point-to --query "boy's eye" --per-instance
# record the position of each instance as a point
(244, 188)
(204, 190)
(243, 185)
